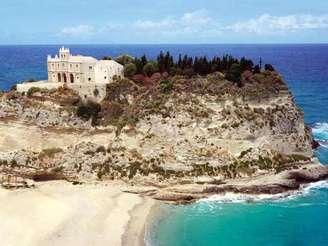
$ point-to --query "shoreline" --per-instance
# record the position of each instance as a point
(99, 213)
(269, 184)
(140, 221)
(63, 214)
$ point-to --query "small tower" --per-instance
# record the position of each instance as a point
(64, 53)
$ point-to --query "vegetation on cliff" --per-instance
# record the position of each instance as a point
(169, 121)
(132, 98)
(188, 66)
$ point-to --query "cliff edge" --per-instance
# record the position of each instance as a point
(178, 140)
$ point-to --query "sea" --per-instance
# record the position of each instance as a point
(295, 219)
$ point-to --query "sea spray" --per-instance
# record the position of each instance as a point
(230, 197)
(320, 131)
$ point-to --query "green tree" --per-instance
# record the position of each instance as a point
(269, 67)
(246, 64)
(124, 59)
(33, 90)
(234, 74)
(150, 68)
(161, 62)
(257, 69)
(139, 65)
(130, 70)
(144, 60)
(107, 58)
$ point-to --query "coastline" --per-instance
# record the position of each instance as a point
(141, 220)
(63, 214)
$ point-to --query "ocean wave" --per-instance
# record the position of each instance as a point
(307, 189)
(324, 144)
(320, 131)
(230, 197)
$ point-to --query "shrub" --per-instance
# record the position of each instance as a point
(150, 68)
(234, 74)
(166, 85)
(130, 70)
(96, 92)
(49, 152)
(189, 72)
(58, 169)
(124, 59)
(30, 80)
(107, 58)
(101, 149)
(245, 152)
(116, 77)
(33, 90)
(269, 67)
(173, 71)
(257, 69)
(89, 110)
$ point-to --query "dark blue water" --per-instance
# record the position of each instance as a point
(301, 220)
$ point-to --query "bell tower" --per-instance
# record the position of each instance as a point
(64, 54)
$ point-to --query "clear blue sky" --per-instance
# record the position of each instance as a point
(163, 21)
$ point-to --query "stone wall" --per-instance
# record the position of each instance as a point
(24, 87)
(94, 91)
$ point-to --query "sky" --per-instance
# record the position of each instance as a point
(163, 21)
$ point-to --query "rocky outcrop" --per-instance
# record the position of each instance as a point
(45, 109)
(180, 140)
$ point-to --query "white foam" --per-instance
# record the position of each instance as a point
(306, 189)
(324, 144)
(320, 131)
(230, 197)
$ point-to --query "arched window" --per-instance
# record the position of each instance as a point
(59, 77)
(65, 77)
(71, 78)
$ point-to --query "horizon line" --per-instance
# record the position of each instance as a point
(82, 44)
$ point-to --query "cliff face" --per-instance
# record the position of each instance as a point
(182, 131)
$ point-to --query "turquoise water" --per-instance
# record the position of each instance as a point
(226, 220)
(301, 219)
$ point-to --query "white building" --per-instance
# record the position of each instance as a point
(70, 69)
(83, 74)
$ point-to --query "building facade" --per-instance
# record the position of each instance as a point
(70, 69)
(83, 74)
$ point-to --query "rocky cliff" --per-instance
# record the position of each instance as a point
(181, 139)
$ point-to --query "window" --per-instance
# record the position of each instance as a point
(105, 77)
(90, 67)
(71, 78)
(89, 79)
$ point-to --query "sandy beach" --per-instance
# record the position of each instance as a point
(58, 213)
